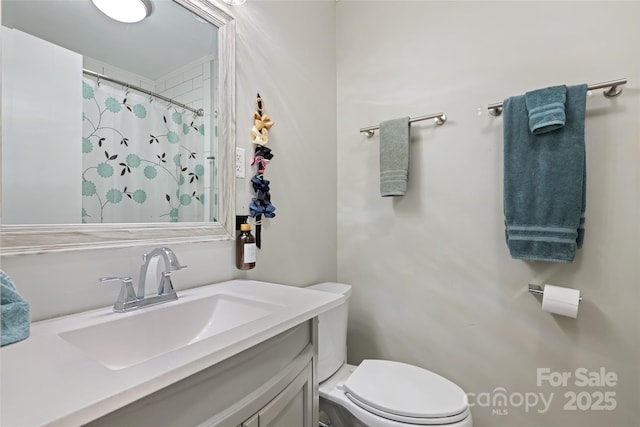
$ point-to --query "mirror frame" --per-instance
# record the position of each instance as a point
(33, 239)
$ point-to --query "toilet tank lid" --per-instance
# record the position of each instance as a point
(332, 287)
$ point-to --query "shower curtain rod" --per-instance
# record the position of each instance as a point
(613, 86)
(199, 112)
(440, 119)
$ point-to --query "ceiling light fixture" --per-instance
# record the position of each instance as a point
(234, 2)
(127, 11)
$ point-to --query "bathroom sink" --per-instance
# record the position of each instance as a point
(85, 365)
(124, 340)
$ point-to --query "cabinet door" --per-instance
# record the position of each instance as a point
(291, 408)
(252, 422)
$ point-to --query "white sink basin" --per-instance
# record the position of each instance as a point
(79, 367)
(128, 339)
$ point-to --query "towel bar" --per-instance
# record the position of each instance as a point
(537, 289)
(613, 88)
(440, 118)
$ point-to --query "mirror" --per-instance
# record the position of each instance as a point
(183, 211)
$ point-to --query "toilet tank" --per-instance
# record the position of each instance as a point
(332, 331)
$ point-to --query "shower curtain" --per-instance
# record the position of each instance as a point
(143, 160)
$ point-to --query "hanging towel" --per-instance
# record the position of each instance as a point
(14, 314)
(545, 182)
(545, 108)
(394, 156)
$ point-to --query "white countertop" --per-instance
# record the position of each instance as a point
(47, 381)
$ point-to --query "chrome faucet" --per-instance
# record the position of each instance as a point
(171, 264)
(129, 300)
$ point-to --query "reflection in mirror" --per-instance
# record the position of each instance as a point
(132, 133)
(113, 125)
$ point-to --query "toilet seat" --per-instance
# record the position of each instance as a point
(406, 393)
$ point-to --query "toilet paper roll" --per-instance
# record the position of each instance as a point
(559, 300)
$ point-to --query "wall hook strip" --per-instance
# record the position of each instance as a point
(612, 88)
(440, 119)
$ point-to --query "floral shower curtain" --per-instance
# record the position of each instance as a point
(143, 161)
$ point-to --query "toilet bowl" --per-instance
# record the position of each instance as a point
(379, 393)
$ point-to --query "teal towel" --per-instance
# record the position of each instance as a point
(394, 157)
(545, 182)
(545, 108)
(14, 314)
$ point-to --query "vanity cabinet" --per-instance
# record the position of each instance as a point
(291, 408)
(272, 384)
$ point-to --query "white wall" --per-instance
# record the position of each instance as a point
(38, 160)
(286, 52)
(298, 87)
(434, 284)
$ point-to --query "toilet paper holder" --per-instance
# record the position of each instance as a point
(537, 289)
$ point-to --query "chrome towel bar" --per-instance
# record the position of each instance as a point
(612, 89)
(440, 119)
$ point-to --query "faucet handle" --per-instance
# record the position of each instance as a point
(127, 293)
(166, 286)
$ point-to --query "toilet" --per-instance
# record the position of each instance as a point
(379, 393)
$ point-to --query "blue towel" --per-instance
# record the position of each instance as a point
(546, 109)
(545, 182)
(14, 314)
(394, 157)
